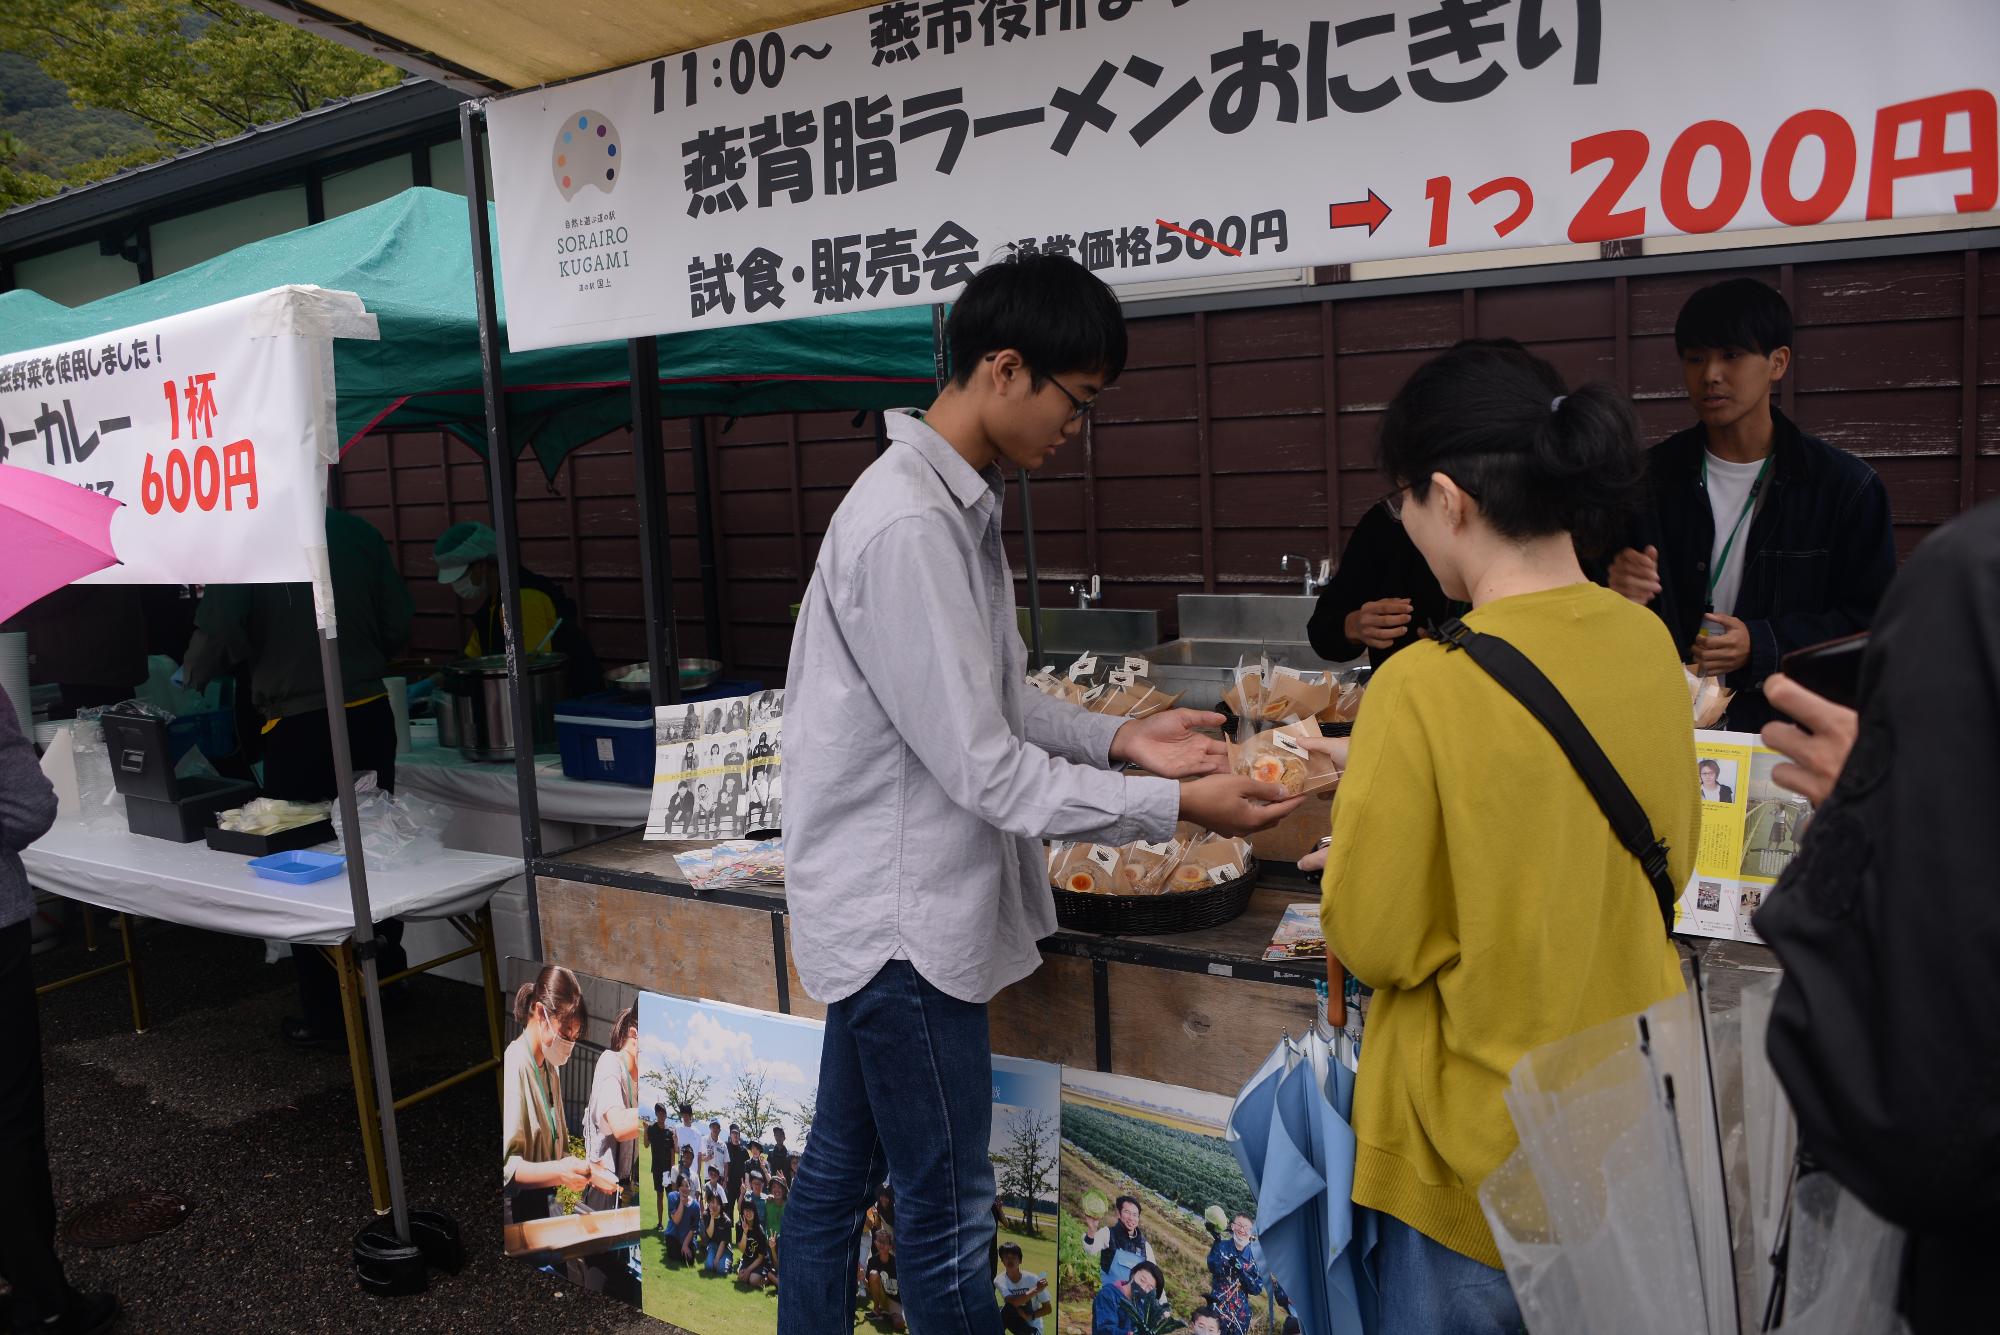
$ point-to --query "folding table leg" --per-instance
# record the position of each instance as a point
(489, 965)
(132, 974)
(363, 1072)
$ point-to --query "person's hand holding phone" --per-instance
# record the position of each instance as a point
(1816, 752)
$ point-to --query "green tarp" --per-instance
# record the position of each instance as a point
(409, 258)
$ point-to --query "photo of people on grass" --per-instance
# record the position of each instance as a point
(727, 1099)
(1157, 1228)
(570, 1127)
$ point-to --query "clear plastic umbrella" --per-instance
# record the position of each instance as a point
(1653, 1191)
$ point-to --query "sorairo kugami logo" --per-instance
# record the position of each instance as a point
(587, 153)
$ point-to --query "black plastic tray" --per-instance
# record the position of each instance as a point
(261, 845)
(1157, 915)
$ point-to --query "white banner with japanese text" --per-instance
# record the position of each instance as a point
(213, 430)
(879, 157)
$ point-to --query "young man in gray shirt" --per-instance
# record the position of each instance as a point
(922, 774)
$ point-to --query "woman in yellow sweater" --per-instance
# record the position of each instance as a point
(1472, 881)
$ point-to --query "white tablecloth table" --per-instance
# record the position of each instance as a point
(441, 775)
(195, 886)
(485, 799)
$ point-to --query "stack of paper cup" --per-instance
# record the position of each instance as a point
(14, 678)
(399, 704)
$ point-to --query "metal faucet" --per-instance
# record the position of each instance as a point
(1085, 594)
(1315, 580)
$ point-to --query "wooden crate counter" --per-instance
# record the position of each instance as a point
(1199, 1009)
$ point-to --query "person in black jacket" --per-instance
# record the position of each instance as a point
(1886, 1028)
(42, 1298)
(1760, 539)
(1381, 597)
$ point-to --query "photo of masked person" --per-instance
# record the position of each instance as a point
(534, 1132)
(611, 1129)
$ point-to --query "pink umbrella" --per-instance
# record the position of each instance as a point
(57, 532)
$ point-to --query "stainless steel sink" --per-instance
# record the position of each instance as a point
(1279, 618)
(1219, 631)
(1212, 653)
(1069, 631)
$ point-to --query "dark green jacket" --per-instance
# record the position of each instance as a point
(271, 626)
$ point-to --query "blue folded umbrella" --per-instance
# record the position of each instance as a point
(1290, 1133)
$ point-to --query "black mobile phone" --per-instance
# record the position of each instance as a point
(1832, 669)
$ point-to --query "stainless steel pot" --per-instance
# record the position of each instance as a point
(474, 692)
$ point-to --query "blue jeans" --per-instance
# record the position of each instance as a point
(1429, 1289)
(905, 1091)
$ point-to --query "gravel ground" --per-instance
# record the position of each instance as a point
(263, 1144)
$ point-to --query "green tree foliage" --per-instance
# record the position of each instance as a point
(144, 78)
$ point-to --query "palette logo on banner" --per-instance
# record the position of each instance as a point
(1157, 1220)
(570, 1128)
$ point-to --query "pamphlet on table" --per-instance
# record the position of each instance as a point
(719, 768)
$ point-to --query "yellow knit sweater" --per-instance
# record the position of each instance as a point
(1477, 887)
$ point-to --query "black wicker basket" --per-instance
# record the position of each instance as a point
(1157, 915)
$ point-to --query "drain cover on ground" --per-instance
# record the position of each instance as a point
(129, 1217)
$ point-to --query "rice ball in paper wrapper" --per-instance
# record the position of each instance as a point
(1292, 694)
(1215, 859)
(1140, 699)
(1709, 697)
(1143, 869)
(1348, 688)
(1085, 869)
(1276, 756)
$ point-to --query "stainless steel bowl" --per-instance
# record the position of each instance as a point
(697, 674)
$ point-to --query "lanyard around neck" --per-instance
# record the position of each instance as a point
(1749, 504)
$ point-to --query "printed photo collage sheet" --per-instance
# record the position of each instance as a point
(1750, 831)
(718, 771)
(1122, 1206)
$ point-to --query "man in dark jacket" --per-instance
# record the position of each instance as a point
(1759, 538)
(1886, 1029)
(272, 628)
(43, 1299)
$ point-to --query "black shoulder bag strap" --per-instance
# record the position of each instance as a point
(1526, 683)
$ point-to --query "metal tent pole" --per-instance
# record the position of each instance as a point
(365, 943)
(656, 570)
(500, 465)
(704, 537)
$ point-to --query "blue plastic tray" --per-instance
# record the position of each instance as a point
(299, 867)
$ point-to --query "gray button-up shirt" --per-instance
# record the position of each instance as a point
(920, 769)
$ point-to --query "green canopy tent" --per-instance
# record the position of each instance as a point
(31, 320)
(410, 261)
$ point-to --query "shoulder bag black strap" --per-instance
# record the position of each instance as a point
(1526, 683)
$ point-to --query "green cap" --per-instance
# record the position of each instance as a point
(460, 546)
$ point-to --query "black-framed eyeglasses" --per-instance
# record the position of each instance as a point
(1078, 407)
(1393, 501)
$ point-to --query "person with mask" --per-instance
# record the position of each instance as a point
(468, 561)
(534, 1130)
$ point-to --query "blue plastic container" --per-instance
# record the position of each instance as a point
(298, 867)
(606, 738)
